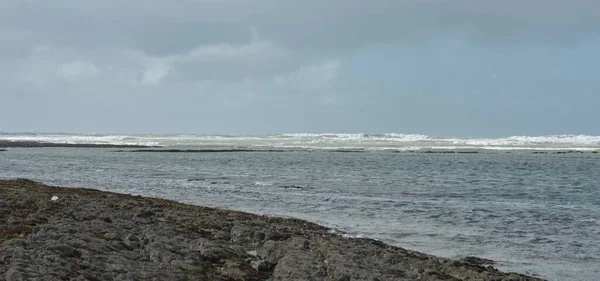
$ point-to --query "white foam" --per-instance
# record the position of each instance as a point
(358, 142)
(574, 140)
(81, 139)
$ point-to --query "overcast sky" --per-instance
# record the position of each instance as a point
(436, 67)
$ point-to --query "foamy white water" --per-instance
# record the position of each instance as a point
(367, 142)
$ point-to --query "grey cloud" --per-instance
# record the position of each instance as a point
(211, 55)
(163, 27)
(310, 30)
(235, 39)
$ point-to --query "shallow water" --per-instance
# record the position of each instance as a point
(532, 213)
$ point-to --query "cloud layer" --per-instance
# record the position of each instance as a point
(234, 54)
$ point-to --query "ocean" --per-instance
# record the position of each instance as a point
(532, 204)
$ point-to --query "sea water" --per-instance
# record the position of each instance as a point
(517, 201)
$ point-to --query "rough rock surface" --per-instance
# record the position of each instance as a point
(92, 235)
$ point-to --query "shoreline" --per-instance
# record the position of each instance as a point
(87, 234)
(162, 149)
(35, 144)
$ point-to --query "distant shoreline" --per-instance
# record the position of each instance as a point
(25, 144)
(161, 149)
(352, 143)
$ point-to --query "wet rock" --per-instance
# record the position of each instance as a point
(276, 236)
(476, 260)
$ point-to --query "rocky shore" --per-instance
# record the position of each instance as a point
(56, 233)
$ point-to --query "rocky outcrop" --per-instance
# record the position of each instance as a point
(86, 234)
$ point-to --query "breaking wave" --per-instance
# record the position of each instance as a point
(330, 141)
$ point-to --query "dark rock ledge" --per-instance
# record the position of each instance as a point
(92, 235)
(201, 150)
(7, 143)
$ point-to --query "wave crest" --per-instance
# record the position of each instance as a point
(360, 141)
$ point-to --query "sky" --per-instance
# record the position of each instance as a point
(435, 67)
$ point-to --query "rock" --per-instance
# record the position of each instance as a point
(476, 260)
(276, 236)
(246, 234)
(13, 274)
(145, 214)
(65, 251)
(237, 270)
(106, 219)
(112, 236)
(94, 235)
(216, 254)
(262, 265)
